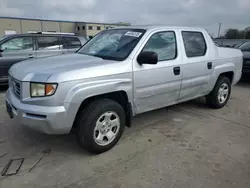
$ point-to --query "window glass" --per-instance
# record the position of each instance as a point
(3, 37)
(194, 43)
(98, 28)
(83, 27)
(48, 43)
(245, 46)
(70, 42)
(19, 43)
(164, 44)
(114, 44)
(78, 28)
(90, 27)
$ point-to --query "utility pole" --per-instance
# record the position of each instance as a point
(219, 30)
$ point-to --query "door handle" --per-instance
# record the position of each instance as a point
(30, 56)
(177, 70)
(209, 65)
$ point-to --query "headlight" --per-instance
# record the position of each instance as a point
(42, 90)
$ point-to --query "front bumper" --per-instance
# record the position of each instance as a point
(45, 119)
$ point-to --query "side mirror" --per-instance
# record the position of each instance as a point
(147, 57)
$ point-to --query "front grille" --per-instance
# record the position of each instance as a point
(16, 86)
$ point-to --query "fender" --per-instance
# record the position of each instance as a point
(218, 70)
(84, 90)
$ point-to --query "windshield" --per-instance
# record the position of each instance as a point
(114, 44)
(245, 46)
(3, 37)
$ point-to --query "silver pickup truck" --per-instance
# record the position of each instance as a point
(116, 75)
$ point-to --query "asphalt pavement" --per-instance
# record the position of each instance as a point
(184, 146)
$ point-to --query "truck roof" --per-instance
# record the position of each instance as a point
(40, 34)
(153, 27)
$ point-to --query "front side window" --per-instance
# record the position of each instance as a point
(70, 42)
(114, 44)
(19, 43)
(164, 44)
(245, 46)
(48, 43)
(195, 44)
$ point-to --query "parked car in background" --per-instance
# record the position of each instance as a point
(19, 47)
(118, 74)
(245, 48)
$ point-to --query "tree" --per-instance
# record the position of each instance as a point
(237, 34)
(232, 34)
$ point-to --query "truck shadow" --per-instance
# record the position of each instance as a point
(3, 88)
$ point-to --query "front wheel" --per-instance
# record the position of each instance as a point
(100, 125)
(218, 98)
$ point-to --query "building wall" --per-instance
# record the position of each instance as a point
(80, 29)
(50, 26)
(9, 24)
(96, 28)
(91, 29)
(67, 27)
(20, 25)
(30, 25)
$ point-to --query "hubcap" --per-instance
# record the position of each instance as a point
(223, 93)
(107, 128)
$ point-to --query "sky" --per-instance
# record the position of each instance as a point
(199, 13)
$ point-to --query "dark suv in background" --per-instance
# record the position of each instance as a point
(19, 47)
(245, 48)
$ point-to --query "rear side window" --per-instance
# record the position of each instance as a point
(18, 43)
(70, 42)
(195, 44)
(48, 43)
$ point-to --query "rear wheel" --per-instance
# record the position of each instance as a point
(100, 125)
(218, 98)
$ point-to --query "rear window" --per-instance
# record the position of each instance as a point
(195, 44)
(48, 43)
(70, 42)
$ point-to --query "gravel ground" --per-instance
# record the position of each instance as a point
(186, 145)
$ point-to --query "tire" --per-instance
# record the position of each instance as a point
(213, 99)
(97, 125)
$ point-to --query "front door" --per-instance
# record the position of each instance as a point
(15, 50)
(156, 86)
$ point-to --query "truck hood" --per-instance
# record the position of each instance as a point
(41, 69)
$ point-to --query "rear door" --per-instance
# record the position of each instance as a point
(47, 46)
(197, 64)
(14, 50)
(70, 44)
